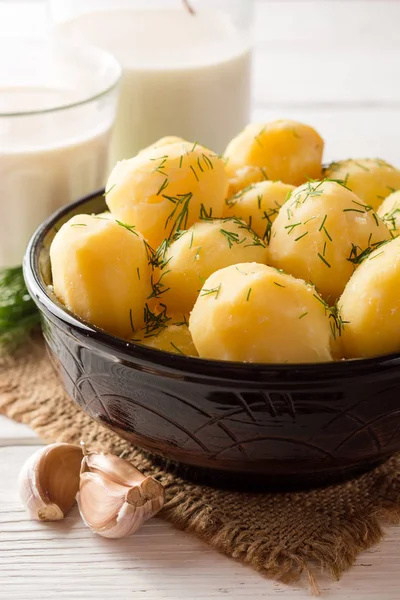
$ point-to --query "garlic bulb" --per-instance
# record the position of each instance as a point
(49, 481)
(114, 498)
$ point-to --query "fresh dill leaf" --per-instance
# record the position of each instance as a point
(178, 218)
(207, 161)
(177, 349)
(324, 260)
(131, 320)
(303, 315)
(204, 215)
(18, 313)
(163, 186)
(216, 291)
(130, 228)
(300, 236)
(279, 284)
(109, 190)
(232, 238)
(248, 295)
(194, 172)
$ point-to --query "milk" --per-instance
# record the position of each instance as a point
(185, 75)
(46, 160)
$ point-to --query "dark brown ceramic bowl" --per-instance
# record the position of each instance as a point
(269, 425)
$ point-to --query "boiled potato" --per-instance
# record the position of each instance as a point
(286, 150)
(258, 204)
(171, 334)
(204, 248)
(320, 233)
(371, 179)
(101, 273)
(370, 305)
(389, 211)
(244, 177)
(167, 189)
(254, 313)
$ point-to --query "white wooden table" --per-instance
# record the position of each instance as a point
(331, 63)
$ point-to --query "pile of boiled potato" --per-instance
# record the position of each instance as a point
(259, 255)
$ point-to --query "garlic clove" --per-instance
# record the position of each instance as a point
(114, 510)
(49, 481)
(115, 468)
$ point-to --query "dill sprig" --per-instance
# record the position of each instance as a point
(233, 200)
(255, 240)
(155, 322)
(232, 238)
(208, 292)
(390, 218)
(177, 348)
(178, 218)
(157, 286)
(18, 312)
(336, 321)
(130, 228)
(358, 255)
(204, 215)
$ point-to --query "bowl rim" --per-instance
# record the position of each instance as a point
(190, 364)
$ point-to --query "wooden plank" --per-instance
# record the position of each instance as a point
(12, 434)
(65, 560)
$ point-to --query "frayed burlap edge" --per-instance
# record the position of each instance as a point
(252, 528)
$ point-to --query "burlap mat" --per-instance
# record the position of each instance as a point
(281, 535)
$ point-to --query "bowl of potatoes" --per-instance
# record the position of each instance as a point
(235, 315)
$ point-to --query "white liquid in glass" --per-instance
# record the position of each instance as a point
(45, 163)
(184, 75)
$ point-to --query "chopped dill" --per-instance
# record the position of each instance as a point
(291, 227)
(204, 215)
(360, 166)
(154, 322)
(80, 224)
(194, 172)
(216, 291)
(303, 315)
(180, 213)
(130, 228)
(301, 236)
(232, 238)
(177, 349)
(248, 295)
(109, 190)
(162, 187)
(279, 284)
(138, 273)
(157, 286)
(131, 320)
(207, 161)
(324, 260)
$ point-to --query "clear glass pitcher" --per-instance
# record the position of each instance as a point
(187, 65)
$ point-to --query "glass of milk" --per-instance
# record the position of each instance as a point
(57, 107)
(187, 65)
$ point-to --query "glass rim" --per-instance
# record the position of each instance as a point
(94, 50)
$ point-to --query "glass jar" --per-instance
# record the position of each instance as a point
(57, 108)
(187, 65)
